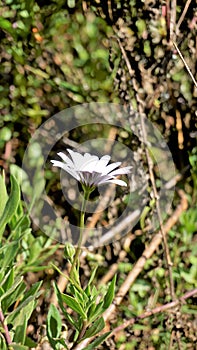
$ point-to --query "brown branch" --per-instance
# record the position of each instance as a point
(173, 20)
(182, 16)
(185, 64)
(156, 310)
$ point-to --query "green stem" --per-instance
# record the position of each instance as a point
(75, 263)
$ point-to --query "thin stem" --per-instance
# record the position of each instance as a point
(86, 196)
(186, 65)
(183, 15)
(6, 331)
(83, 330)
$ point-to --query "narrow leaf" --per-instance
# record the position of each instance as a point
(92, 276)
(109, 296)
(26, 300)
(20, 333)
(54, 323)
(11, 204)
(60, 303)
(97, 341)
(9, 253)
(4, 195)
(97, 327)
(9, 280)
(95, 311)
(73, 304)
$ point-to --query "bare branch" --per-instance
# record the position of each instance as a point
(186, 65)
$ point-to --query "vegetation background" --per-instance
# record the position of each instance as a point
(59, 54)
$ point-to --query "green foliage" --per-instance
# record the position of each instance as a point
(97, 341)
(54, 328)
(44, 49)
(16, 302)
(11, 204)
(88, 321)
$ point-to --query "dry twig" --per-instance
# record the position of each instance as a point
(156, 310)
(185, 64)
(182, 16)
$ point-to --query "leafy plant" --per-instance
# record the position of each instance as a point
(88, 305)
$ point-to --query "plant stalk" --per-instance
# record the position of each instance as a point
(75, 263)
(6, 331)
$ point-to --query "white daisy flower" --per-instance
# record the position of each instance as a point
(91, 171)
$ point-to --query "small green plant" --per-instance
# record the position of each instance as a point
(88, 303)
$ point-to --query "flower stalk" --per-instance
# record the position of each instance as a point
(87, 191)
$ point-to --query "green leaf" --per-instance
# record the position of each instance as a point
(3, 345)
(109, 296)
(29, 296)
(11, 204)
(9, 251)
(95, 311)
(18, 347)
(22, 224)
(6, 25)
(14, 286)
(74, 305)
(54, 323)
(79, 296)
(96, 327)
(97, 342)
(30, 343)
(4, 195)
(92, 276)
(60, 303)
(9, 280)
(32, 292)
(12, 295)
(20, 332)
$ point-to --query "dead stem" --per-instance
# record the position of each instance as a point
(185, 64)
(156, 310)
(182, 16)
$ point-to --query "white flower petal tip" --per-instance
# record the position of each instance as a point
(90, 170)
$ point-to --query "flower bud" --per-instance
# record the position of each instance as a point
(69, 252)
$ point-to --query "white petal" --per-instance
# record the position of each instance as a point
(66, 168)
(88, 157)
(57, 163)
(66, 159)
(89, 162)
(121, 171)
(100, 179)
(111, 167)
(117, 182)
(101, 164)
(77, 158)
